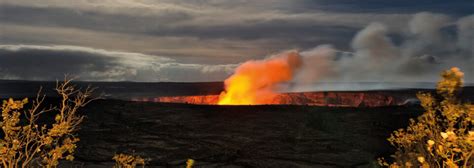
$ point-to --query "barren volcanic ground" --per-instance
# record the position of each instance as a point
(231, 136)
(243, 136)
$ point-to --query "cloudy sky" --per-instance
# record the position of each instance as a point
(204, 40)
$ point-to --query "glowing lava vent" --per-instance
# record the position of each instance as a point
(337, 99)
(254, 82)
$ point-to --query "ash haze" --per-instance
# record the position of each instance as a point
(194, 41)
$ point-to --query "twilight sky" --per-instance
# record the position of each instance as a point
(204, 40)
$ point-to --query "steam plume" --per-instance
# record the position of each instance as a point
(430, 43)
(428, 46)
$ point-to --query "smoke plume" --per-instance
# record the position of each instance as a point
(431, 43)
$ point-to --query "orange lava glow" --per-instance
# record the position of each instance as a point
(331, 99)
(254, 82)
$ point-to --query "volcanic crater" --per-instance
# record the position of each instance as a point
(171, 122)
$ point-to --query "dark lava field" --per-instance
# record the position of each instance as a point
(227, 136)
(238, 136)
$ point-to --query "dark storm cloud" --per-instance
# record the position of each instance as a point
(31, 63)
(53, 62)
(95, 20)
(287, 29)
(301, 35)
(296, 31)
(451, 7)
(201, 37)
(212, 19)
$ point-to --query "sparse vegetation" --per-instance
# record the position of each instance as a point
(190, 163)
(443, 135)
(28, 143)
(128, 161)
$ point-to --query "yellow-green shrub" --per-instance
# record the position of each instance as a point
(443, 135)
(128, 161)
(27, 144)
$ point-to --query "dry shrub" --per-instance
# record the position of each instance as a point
(190, 163)
(443, 135)
(128, 161)
(26, 143)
